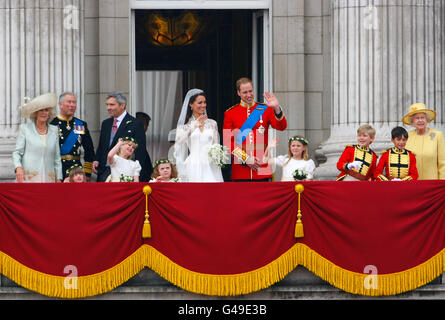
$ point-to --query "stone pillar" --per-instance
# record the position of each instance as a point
(41, 52)
(386, 55)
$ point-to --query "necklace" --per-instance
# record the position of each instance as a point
(43, 130)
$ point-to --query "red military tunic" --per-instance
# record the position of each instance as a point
(255, 143)
(353, 153)
(398, 163)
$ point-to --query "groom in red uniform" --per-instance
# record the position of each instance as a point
(245, 132)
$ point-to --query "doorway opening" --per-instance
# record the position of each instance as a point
(177, 50)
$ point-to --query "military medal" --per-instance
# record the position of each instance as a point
(79, 129)
(261, 129)
(68, 126)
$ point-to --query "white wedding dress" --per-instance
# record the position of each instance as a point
(191, 152)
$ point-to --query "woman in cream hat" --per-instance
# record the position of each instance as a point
(36, 155)
(427, 144)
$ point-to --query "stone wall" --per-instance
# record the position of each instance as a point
(301, 58)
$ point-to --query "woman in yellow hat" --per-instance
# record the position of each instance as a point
(36, 155)
(427, 144)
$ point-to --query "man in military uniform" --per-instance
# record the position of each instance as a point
(73, 134)
(245, 132)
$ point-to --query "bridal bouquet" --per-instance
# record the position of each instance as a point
(219, 155)
(300, 174)
(125, 178)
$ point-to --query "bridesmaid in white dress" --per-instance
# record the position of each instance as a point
(195, 133)
(123, 167)
(296, 158)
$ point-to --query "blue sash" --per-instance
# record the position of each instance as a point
(248, 125)
(71, 139)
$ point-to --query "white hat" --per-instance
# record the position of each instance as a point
(48, 100)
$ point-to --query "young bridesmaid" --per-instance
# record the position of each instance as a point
(75, 174)
(123, 167)
(296, 159)
(164, 171)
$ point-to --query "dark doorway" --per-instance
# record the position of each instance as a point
(221, 53)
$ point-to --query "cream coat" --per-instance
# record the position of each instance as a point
(40, 162)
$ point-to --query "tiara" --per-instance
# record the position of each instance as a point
(299, 139)
(131, 139)
(161, 161)
(71, 168)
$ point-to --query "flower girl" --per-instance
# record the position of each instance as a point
(123, 167)
(75, 174)
(164, 171)
(296, 165)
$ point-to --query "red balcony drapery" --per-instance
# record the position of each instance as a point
(222, 238)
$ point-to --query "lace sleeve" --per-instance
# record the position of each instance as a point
(181, 146)
(183, 133)
(214, 127)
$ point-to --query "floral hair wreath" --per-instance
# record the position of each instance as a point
(71, 168)
(162, 161)
(131, 139)
(299, 139)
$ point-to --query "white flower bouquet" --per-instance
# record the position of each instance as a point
(219, 155)
(300, 174)
(125, 178)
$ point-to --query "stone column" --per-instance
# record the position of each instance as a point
(41, 51)
(386, 55)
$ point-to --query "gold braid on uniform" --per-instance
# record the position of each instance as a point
(364, 155)
(88, 167)
(398, 165)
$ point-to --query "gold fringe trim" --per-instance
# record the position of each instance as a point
(221, 285)
(358, 283)
(61, 287)
(299, 254)
(224, 285)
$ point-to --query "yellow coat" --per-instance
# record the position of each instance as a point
(430, 153)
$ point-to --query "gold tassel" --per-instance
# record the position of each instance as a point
(299, 232)
(146, 229)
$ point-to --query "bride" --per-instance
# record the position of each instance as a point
(195, 133)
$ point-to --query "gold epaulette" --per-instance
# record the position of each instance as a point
(231, 107)
(385, 150)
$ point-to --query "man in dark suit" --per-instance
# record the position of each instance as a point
(145, 119)
(120, 125)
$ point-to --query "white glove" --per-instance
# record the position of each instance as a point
(354, 165)
(396, 179)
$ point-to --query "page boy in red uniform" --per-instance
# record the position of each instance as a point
(397, 163)
(358, 162)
